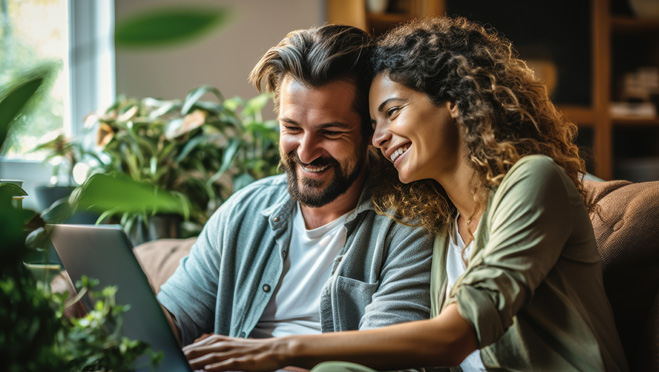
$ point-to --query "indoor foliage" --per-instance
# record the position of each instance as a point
(201, 151)
(34, 334)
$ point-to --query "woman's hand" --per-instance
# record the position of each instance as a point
(221, 353)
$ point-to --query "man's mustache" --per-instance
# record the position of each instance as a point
(292, 157)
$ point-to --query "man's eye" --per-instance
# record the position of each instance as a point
(291, 129)
(331, 133)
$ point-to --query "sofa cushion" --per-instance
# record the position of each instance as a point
(160, 258)
(627, 232)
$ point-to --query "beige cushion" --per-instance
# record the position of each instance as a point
(627, 233)
(160, 258)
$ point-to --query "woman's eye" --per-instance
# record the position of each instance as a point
(392, 111)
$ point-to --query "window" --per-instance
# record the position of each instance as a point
(75, 36)
(33, 33)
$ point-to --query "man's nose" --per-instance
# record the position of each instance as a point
(308, 149)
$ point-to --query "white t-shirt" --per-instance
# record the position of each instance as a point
(455, 266)
(295, 305)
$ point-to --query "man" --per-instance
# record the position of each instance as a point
(306, 252)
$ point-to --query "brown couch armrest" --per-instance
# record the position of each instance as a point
(160, 258)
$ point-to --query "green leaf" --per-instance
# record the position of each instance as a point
(234, 103)
(196, 94)
(168, 26)
(102, 192)
(16, 98)
(189, 146)
(164, 107)
(256, 104)
(11, 189)
(58, 212)
(227, 158)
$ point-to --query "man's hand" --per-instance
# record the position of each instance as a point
(221, 353)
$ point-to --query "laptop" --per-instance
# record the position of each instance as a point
(104, 252)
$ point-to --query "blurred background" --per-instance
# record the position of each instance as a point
(598, 58)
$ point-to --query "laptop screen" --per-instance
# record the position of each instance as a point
(104, 252)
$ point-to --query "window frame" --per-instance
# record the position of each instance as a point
(91, 70)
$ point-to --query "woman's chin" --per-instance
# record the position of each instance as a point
(404, 178)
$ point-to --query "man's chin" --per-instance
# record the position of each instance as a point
(307, 192)
(305, 184)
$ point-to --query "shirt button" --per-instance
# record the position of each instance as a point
(242, 335)
(266, 288)
(276, 219)
(284, 253)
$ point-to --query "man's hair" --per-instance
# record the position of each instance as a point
(315, 57)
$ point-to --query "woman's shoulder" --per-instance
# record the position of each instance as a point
(534, 168)
(538, 163)
(533, 175)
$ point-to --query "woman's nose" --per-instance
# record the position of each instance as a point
(380, 136)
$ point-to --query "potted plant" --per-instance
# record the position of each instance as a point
(200, 150)
(34, 335)
(67, 157)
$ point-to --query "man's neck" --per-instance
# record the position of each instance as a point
(315, 217)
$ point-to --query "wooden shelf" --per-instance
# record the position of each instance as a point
(632, 120)
(582, 115)
(609, 35)
(633, 25)
(390, 18)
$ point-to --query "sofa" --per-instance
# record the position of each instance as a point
(627, 233)
(626, 225)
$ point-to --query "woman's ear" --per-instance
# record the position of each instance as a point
(453, 109)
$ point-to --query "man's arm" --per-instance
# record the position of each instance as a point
(442, 341)
(188, 297)
(172, 324)
(403, 293)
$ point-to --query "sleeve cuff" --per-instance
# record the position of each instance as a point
(476, 307)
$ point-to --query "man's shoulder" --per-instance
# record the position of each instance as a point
(258, 195)
(265, 188)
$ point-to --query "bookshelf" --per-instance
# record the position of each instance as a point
(609, 43)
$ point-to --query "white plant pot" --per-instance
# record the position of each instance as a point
(377, 6)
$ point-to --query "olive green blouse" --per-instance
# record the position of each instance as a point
(533, 287)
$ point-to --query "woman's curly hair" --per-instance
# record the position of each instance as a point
(505, 111)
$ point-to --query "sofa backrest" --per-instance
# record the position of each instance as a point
(627, 233)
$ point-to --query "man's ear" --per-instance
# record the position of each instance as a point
(453, 109)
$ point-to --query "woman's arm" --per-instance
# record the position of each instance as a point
(443, 341)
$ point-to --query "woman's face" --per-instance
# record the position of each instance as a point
(420, 138)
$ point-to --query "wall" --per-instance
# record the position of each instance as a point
(222, 58)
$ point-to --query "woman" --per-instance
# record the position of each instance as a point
(493, 171)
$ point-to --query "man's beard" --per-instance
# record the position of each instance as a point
(312, 195)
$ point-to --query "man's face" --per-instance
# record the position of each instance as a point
(321, 145)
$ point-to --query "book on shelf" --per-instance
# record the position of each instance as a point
(641, 110)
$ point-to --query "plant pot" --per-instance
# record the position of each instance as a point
(47, 195)
(43, 264)
(43, 272)
(161, 226)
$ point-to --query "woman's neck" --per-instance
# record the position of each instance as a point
(460, 186)
(460, 189)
